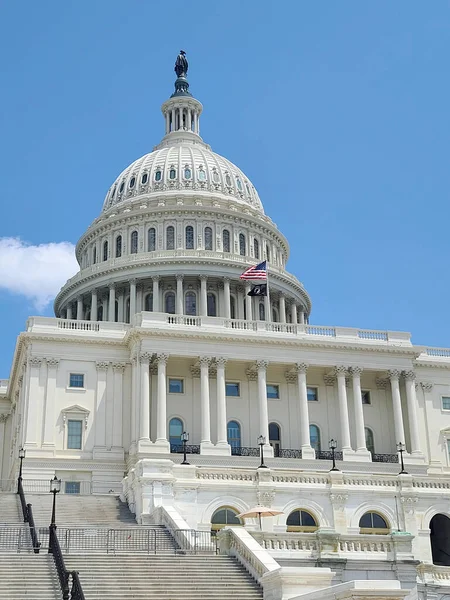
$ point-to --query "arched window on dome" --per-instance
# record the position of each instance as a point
(118, 246)
(148, 304)
(228, 180)
(170, 238)
(158, 175)
(215, 176)
(314, 437)
(211, 304)
(151, 239)
(370, 444)
(144, 178)
(239, 183)
(262, 311)
(122, 185)
(208, 238)
(189, 237)
(201, 175)
(132, 182)
(94, 255)
(301, 520)
(172, 174)
(169, 303)
(190, 303)
(226, 240)
(232, 307)
(256, 248)
(105, 250)
(187, 173)
(242, 245)
(134, 242)
(113, 193)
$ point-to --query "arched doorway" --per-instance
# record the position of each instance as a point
(440, 540)
(275, 438)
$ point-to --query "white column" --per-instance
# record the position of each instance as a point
(248, 302)
(173, 120)
(203, 295)
(79, 308)
(341, 372)
(167, 123)
(134, 398)
(112, 303)
(94, 305)
(282, 309)
(294, 313)
(240, 302)
(226, 298)
(117, 439)
(204, 401)
(155, 281)
(359, 414)
(50, 416)
(180, 303)
(144, 413)
(305, 442)
(268, 309)
(411, 400)
(120, 302)
(302, 317)
(69, 311)
(100, 410)
(161, 406)
(394, 376)
(222, 439)
(34, 402)
(132, 299)
(139, 297)
(189, 119)
(261, 366)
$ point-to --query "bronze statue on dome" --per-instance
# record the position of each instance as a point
(181, 64)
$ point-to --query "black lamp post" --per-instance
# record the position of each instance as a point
(333, 446)
(400, 449)
(184, 439)
(55, 488)
(261, 442)
(21, 456)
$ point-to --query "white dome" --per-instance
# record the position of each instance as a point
(184, 166)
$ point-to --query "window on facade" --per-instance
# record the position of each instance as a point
(314, 437)
(170, 303)
(226, 240)
(238, 183)
(267, 253)
(275, 438)
(170, 238)
(228, 179)
(262, 311)
(189, 237)
(232, 307)
(242, 248)
(223, 517)
(94, 255)
(234, 434)
(232, 389)
(176, 428)
(187, 173)
(134, 242)
(132, 182)
(176, 386)
(274, 315)
(215, 177)
(256, 248)
(158, 175)
(201, 175)
(446, 402)
(370, 445)
(312, 394)
(122, 185)
(74, 434)
(365, 397)
(144, 178)
(211, 305)
(105, 250)
(273, 391)
(72, 487)
(151, 239)
(172, 174)
(208, 238)
(76, 380)
(372, 522)
(301, 520)
(118, 246)
(190, 303)
(149, 302)
(100, 313)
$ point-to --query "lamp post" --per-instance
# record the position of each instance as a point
(400, 449)
(55, 488)
(184, 439)
(261, 442)
(333, 446)
(21, 456)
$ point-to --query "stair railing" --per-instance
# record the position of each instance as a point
(27, 513)
(76, 591)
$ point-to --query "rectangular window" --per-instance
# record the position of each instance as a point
(176, 386)
(312, 393)
(74, 434)
(72, 487)
(365, 396)
(232, 389)
(76, 380)
(446, 402)
(273, 391)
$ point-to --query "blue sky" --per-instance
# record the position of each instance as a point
(337, 111)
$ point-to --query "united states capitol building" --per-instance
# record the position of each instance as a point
(157, 347)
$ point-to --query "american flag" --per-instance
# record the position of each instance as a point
(255, 273)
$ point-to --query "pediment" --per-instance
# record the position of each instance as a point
(75, 408)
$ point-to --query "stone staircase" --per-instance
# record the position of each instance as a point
(28, 576)
(10, 509)
(163, 577)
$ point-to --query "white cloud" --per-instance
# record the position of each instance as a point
(36, 272)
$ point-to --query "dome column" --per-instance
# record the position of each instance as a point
(155, 283)
(226, 297)
(282, 309)
(248, 302)
(132, 298)
(79, 308)
(94, 305)
(69, 311)
(203, 295)
(294, 313)
(120, 302)
(112, 303)
(180, 303)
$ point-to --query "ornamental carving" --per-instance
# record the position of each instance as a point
(339, 501)
(3, 417)
(52, 362)
(356, 371)
(119, 367)
(381, 383)
(195, 371)
(265, 498)
(162, 358)
(394, 374)
(145, 357)
(329, 380)
(262, 365)
(34, 361)
(427, 386)
(205, 361)
(221, 361)
(340, 371)
(408, 504)
(153, 368)
(102, 365)
(301, 367)
(409, 375)
(252, 375)
(291, 377)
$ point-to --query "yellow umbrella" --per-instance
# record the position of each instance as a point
(260, 511)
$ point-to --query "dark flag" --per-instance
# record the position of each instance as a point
(258, 290)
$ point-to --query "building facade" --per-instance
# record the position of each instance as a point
(156, 335)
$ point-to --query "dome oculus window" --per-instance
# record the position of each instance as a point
(158, 175)
(201, 175)
(239, 183)
(144, 178)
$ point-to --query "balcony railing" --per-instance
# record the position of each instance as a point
(287, 453)
(190, 449)
(244, 451)
(328, 455)
(385, 458)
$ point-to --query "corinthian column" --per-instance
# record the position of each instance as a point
(394, 376)
(180, 299)
(203, 296)
(305, 442)
(341, 372)
(112, 303)
(161, 405)
(411, 400)
(144, 413)
(155, 282)
(94, 305)
(204, 401)
(222, 440)
(261, 367)
(361, 448)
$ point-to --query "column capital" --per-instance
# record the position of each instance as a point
(162, 358)
(240, 289)
(52, 362)
(133, 281)
(203, 277)
(145, 357)
(291, 377)
(409, 375)
(262, 365)
(156, 277)
(3, 417)
(80, 298)
(427, 386)
(118, 367)
(226, 279)
(34, 361)
(179, 276)
(112, 286)
(340, 370)
(394, 374)
(102, 365)
(252, 374)
(356, 371)
(205, 361)
(301, 367)
(221, 361)
(93, 290)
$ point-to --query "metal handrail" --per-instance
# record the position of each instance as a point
(76, 591)
(23, 502)
(33, 530)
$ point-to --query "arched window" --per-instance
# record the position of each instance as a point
(226, 240)
(314, 437)
(211, 305)
(370, 444)
(151, 239)
(148, 305)
(224, 516)
(242, 248)
(275, 438)
(440, 540)
(187, 173)
(232, 307)
(215, 176)
(256, 248)
(176, 428)
(372, 522)
(118, 246)
(239, 183)
(105, 250)
(189, 237)
(262, 311)
(132, 182)
(100, 313)
(94, 255)
(208, 238)
(144, 178)
(170, 303)
(170, 238)
(158, 175)
(301, 520)
(228, 179)
(134, 242)
(122, 185)
(190, 304)
(172, 174)
(234, 436)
